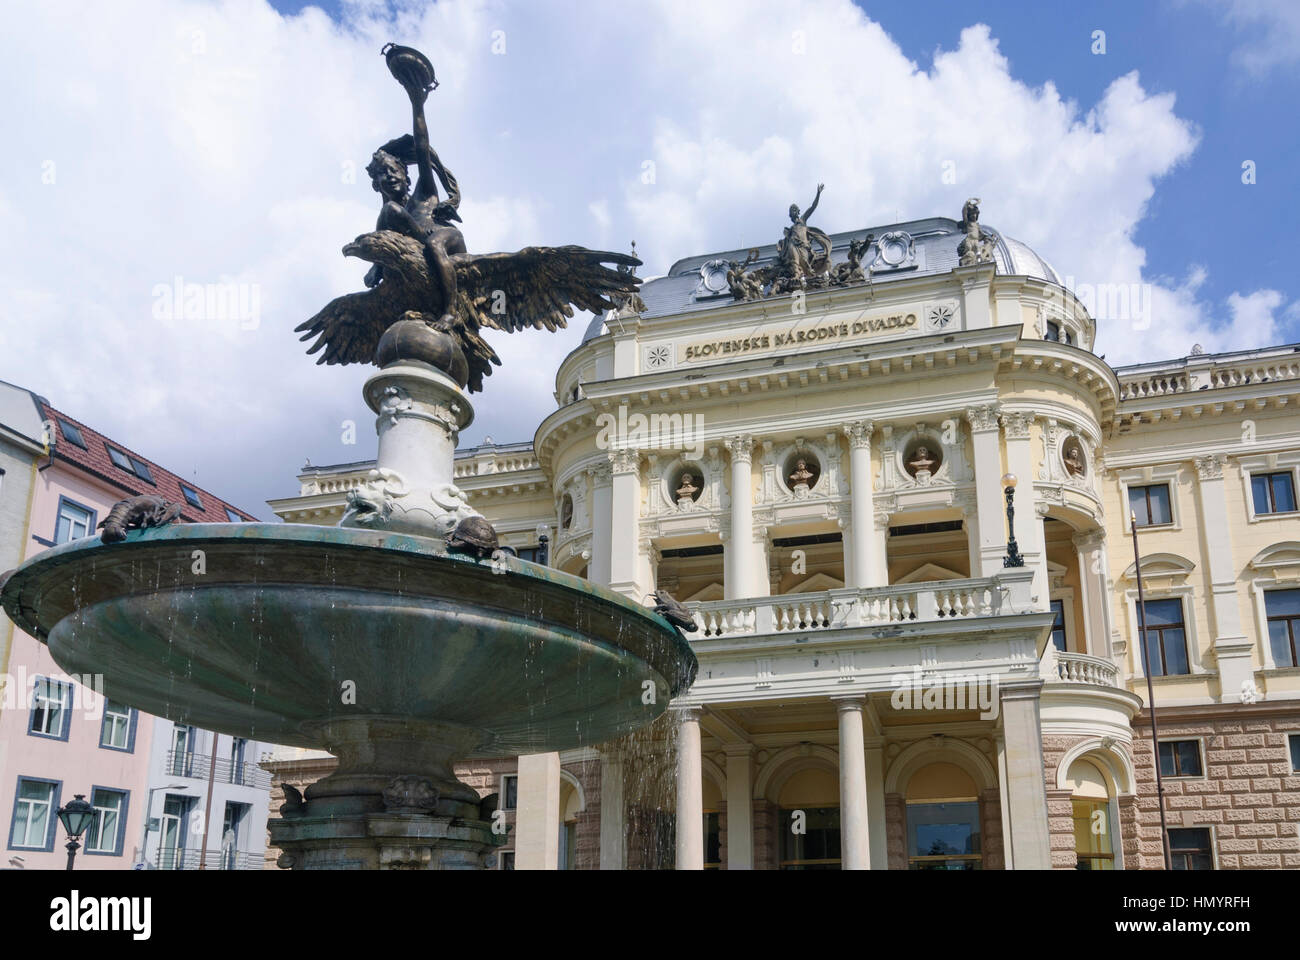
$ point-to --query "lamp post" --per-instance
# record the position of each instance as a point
(1013, 557)
(543, 544)
(1151, 703)
(75, 816)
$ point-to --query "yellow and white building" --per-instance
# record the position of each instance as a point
(876, 688)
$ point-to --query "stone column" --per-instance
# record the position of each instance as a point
(690, 791)
(1232, 649)
(1029, 524)
(624, 523)
(613, 815)
(1026, 792)
(859, 434)
(1091, 549)
(855, 848)
(537, 822)
(599, 568)
(740, 806)
(737, 580)
(989, 528)
(877, 839)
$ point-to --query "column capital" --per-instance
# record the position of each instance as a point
(1089, 540)
(686, 712)
(1210, 466)
(739, 749)
(859, 433)
(740, 447)
(849, 701)
(1016, 424)
(982, 418)
(1020, 690)
(625, 460)
(600, 471)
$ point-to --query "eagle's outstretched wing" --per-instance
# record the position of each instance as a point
(348, 328)
(538, 286)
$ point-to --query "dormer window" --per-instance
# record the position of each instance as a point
(72, 434)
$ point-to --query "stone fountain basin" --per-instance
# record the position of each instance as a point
(286, 619)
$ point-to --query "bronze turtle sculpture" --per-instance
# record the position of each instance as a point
(475, 536)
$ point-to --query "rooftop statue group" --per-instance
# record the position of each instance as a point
(803, 257)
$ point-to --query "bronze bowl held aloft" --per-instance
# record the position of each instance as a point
(410, 67)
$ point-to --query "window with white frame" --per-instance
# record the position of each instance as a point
(1166, 638)
(50, 714)
(1150, 504)
(1293, 742)
(1282, 613)
(116, 732)
(34, 810)
(1058, 624)
(104, 835)
(1272, 492)
(74, 522)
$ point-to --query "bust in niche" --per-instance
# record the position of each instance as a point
(687, 491)
(922, 464)
(802, 476)
(1073, 459)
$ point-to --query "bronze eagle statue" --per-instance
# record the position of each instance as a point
(536, 287)
(422, 272)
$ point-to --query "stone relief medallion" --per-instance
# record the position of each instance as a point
(410, 795)
(938, 316)
(658, 357)
(713, 279)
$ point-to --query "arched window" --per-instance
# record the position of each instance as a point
(1090, 800)
(809, 821)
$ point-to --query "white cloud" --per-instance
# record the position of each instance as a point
(1270, 32)
(221, 140)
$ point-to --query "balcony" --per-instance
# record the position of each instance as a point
(1081, 668)
(199, 766)
(934, 602)
(188, 859)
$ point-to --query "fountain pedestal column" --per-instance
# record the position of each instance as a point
(412, 489)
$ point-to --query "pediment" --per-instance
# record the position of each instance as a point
(1168, 565)
(927, 572)
(1278, 558)
(818, 581)
(713, 591)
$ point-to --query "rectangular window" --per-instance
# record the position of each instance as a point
(712, 841)
(72, 434)
(1150, 504)
(1053, 331)
(180, 761)
(1282, 608)
(233, 517)
(141, 470)
(943, 836)
(51, 709)
(1166, 638)
(1272, 492)
(816, 849)
(528, 553)
(105, 833)
(191, 497)
(115, 734)
(1189, 848)
(1294, 742)
(34, 814)
(1092, 847)
(73, 523)
(1180, 758)
(1058, 625)
(509, 792)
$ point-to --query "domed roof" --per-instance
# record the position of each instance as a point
(1021, 260)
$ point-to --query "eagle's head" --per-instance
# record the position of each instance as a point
(397, 252)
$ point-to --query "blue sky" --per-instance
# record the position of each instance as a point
(223, 142)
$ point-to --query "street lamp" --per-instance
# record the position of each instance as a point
(543, 543)
(1013, 557)
(75, 816)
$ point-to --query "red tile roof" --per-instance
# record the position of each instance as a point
(95, 460)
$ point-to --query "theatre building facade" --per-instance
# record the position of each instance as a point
(816, 453)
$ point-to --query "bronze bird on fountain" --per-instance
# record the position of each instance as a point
(428, 297)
